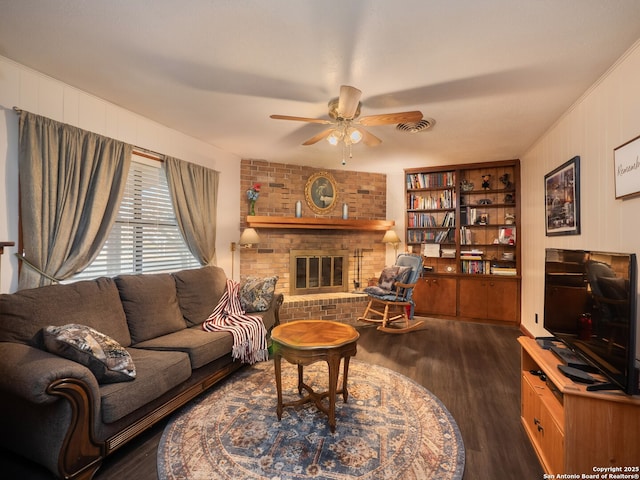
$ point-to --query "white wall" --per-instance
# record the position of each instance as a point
(37, 93)
(607, 116)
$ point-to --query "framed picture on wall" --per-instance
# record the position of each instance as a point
(562, 199)
(626, 159)
(321, 192)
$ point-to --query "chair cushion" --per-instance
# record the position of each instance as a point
(106, 359)
(378, 291)
(256, 294)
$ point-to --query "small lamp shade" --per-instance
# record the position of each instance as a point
(390, 236)
(249, 237)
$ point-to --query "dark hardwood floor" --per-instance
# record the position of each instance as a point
(472, 368)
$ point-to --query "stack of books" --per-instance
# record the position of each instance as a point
(508, 271)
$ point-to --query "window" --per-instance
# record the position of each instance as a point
(145, 236)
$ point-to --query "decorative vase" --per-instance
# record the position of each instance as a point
(252, 207)
(298, 209)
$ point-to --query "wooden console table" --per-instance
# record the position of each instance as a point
(304, 342)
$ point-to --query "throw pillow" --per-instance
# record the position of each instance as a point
(388, 277)
(106, 358)
(256, 294)
(391, 275)
(403, 274)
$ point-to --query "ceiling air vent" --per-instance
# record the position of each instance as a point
(415, 127)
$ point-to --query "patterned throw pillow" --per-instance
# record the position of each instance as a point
(256, 294)
(403, 274)
(106, 358)
(391, 275)
(388, 277)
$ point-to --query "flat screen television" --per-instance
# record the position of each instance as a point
(590, 305)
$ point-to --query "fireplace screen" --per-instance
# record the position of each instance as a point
(318, 271)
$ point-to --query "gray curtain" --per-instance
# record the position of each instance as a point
(71, 184)
(194, 192)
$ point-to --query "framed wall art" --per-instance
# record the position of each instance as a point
(321, 193)
(562, 199)
(626, 162)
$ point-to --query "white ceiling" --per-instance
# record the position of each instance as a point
(494, 74)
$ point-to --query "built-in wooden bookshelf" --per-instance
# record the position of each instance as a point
(464, 220)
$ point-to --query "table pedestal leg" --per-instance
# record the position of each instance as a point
(277, 362)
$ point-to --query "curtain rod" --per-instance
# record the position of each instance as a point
(143, 152)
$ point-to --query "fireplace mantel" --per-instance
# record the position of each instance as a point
(313, 223)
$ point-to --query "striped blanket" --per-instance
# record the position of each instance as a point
(249, 333)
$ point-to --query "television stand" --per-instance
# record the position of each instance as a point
(568, 424)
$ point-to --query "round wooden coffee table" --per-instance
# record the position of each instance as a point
(304, 342)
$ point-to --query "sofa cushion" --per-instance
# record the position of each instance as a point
(256, 294)
(150, 304)
(202, 347)
(105, 357)
(94, 303)
(199, 291)
(157, 373)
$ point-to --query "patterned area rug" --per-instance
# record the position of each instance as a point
(391, 427)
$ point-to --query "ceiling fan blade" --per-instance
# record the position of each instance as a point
(319, 136)
(389, 118)
(369, 139)
(301, 119)
(348, 101)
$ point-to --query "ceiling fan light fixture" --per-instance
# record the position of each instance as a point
(355, 135)
(335, 137)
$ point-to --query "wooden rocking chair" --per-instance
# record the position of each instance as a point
(390, 300)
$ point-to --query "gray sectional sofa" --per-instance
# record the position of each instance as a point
(56, 412)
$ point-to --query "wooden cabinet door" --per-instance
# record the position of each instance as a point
(486, 298)
(473, 299)
(551, 442)
(435, 296)
(502, 300)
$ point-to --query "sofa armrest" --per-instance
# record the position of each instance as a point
(28, 372)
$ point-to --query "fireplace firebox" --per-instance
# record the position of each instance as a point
(318, 271)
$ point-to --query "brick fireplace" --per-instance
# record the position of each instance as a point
(281, 186)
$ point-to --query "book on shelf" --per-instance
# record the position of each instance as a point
(448, 253)
(507, 271)
(431, 250)
(475, 267)
(431, 180)
(466, 236)
(442, 236)
(473, 251)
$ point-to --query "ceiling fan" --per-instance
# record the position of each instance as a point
(346, 123)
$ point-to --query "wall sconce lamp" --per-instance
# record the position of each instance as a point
(248, 238)
(391, 237)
